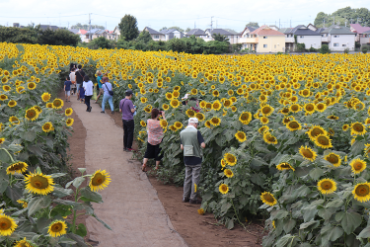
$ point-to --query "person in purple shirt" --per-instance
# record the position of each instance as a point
(127, 108)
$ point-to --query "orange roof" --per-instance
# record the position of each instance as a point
(267, 31)
(82, 31)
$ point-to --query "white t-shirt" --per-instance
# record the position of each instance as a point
(72, 76)
(89, 88)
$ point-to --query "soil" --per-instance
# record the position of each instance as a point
(199, 230)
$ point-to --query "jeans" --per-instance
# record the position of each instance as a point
(78, 86)
(110, 101)
(87, 101)
(128, 133)
(192, 176)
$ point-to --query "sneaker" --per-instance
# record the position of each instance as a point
(102, 112)
(112, 112)
(90, 109)
(185, 200)
(130, 150)
(196, 201)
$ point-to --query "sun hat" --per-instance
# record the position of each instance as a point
(193, 120)
(186, 96)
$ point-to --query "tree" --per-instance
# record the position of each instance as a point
(177, 28)
(128, 27)
(188, 29)
(58, 37)
(144, 36)
(252, 24)
(86, 26)
(163, 28)
(100, 42)
(220, 37)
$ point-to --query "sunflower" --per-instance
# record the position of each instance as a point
(332, 117)
(31, 114)
(190, 113)
(165, 107)
(327, 186)
(31, 86)
(227, 103)
(58, 103)
(315, 131)
(263, 129)
(358, 129)
(245, 117)
(241, 136)
(163, 123)
(172, 128)
(216, 105)
(23, 202)
(284, 166)
(334, 159)
(345, 127)
(294, 125)
(201, 211)
(223, 163)
(99, 180)
(6, 88)
(168, 96)
(37, 108)
(264, 120)
(175, 103)
(12, 103)
(268, 198)
(366, 149)
(178, 125)
(69, 122)
(307, 153)
(323, 141)
(267, 110)
(57, 228)
(17, 167)
(268, 138)
(321, 107)
(20, 89)
(207, 124)
(216, 93)
(361, 192)
(47, 127)
(39, 183)
(2, 140)
(309, 108)
(215, 121)
(142, 123)
(23, 243)
(3, 97)
(295, 108)
(7, 225)
(223, 188)
(228, 173)
(357, 165)
(200, 116)
(49, 105)
(230, 159)
(14, 120)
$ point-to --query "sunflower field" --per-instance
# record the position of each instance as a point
(35, 191)
(287, 138)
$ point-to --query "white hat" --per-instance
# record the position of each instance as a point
(193, 120)
(186, 96)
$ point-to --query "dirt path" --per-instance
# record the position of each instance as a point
(131, 206)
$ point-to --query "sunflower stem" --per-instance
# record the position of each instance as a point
(232, 202)
(11, 157)
(75, 213)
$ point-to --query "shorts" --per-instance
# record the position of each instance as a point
(152, 152)
(101, 91)
(67, 93)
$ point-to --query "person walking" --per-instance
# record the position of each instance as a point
(72, 76)
(127, 108)
(191, 144)
(88, 85)
(100, 89)
(81, 94)
(107, 87)
(67, 89)
(155, 136)
(79, 77)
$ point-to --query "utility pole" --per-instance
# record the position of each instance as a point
(211, 23)
(290, 23)
(90, 26)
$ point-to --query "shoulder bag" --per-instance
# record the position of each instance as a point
(109, 91)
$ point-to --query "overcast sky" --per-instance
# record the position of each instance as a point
(156, 14)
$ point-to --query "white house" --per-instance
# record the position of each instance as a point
(231, 35)
(198, 33)
(156, 36)
(172, 33)
(246, 39)
(338, 38)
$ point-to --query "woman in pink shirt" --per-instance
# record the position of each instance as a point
(155, 136)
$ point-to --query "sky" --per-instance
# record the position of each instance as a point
(233, 14)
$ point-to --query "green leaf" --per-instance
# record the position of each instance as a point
(316, 173)
(339, 216)
(60, 192)
(90, 196)
(365, 233)
(64, 240)
(29, 135)
(57, 175)
(310, 224)
(351, 221)
(331, 233)
(289, 225)
(36, 150)
(4, 156)
(78, 181)
(38, 203)
(230, 224)
(279, 214)
(283, 241)
(81, 230)
(105, 225)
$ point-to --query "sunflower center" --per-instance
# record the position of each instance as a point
(57, 227)
(323, 140)
(333, 159)
(316, 132)
(362, 190)
(293, 125)
(266, 110)
(98, 179)
(4, 224)
(309, 108)
(327, 185)
(357, 166)
(16, 167)
(307, 153)
(268, 198)
(358, 127)
(39, 182)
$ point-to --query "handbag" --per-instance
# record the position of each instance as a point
(109, 91)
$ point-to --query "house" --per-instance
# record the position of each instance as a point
(266, 39)
(156, 36)
(246, 39)
(232, 36)
(198, 33)
(338, 38)
(172, 33)
(116, 33)
(365, 38)
(308, 35)
(358, 30)
(95, 33)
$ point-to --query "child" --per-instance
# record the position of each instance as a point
(67, 89)
(81, 93)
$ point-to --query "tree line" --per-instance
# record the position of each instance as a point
(343, 16)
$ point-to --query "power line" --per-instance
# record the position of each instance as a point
(35, 17)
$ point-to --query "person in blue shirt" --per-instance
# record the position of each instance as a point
(67, 89)
(100, 89)
(107, 86)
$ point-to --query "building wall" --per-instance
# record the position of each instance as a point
(271, 44)
(310, 41)
(343, 41)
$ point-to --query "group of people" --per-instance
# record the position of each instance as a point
(191, 140)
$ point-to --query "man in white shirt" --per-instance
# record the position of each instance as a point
(88, 85)
(72, 76)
